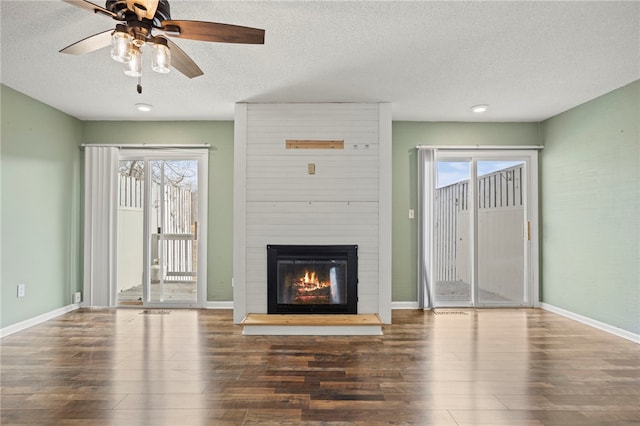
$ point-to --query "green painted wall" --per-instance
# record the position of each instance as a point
(40, 184)
(408, 135)
(219, 134)
(590, 174)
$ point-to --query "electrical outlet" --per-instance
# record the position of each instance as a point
(77, 297)
(22, 290)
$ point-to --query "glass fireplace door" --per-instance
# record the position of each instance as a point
(311, 282)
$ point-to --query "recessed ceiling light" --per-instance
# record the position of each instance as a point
(144, 107)
(479, 108)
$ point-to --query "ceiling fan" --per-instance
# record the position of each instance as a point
(148, 22)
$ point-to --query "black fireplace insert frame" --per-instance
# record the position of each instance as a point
(312, 252)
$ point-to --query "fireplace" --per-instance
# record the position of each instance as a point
(312, 279)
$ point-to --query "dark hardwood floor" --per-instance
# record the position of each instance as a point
(194, 367)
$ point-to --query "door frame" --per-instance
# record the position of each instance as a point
(531, 245)
(202, 157)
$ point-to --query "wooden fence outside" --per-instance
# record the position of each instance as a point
(497, 192)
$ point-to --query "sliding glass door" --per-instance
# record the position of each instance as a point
(161, 211)
(482, 214)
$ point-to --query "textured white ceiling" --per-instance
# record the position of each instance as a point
(528, 60)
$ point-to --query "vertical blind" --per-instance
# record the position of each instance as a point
(426, 184)
(100, 224)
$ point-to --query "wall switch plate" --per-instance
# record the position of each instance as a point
(22, 290)
(411, 214)
(77, 297)
(311, 168)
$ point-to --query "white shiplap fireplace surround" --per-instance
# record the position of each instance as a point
(278, 200)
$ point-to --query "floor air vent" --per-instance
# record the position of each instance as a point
(155, 312)
(449, 312)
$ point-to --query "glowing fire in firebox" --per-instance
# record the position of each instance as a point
(310, 289)
(310, 282)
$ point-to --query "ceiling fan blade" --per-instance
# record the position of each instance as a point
(182, 62)
(212, 31)
(87, 5)
(89, 44)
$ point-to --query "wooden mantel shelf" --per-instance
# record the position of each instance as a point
(313, 324)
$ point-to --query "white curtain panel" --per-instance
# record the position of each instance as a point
(426, 184)
(100, 224)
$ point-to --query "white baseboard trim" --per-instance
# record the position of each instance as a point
(23, 325)
(219, 305)
(593, 323)
(404, 305)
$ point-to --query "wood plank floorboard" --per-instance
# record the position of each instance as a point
(194, 367)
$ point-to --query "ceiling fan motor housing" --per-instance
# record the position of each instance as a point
(119, 7)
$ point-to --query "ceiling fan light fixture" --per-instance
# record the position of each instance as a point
(161, 56)
(120, 40)
(133, 68)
